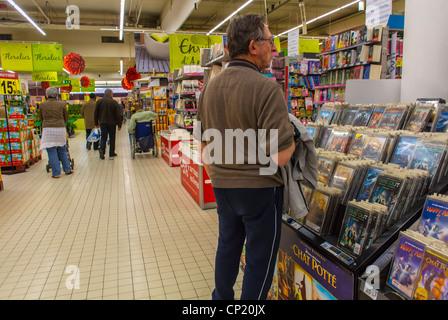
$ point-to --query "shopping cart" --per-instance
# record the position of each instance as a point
(143, 140)
(70, 159)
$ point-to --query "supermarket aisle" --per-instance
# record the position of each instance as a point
(128, 226)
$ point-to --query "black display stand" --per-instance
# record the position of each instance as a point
(327, 247)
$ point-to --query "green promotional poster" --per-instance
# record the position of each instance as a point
(90, 88)
(185, 48)
(47, 57)
(16, 56)
(44, 76)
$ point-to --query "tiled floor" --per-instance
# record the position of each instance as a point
(127, 227)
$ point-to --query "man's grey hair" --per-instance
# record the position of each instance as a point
(242, 30)
(52, 92)
(108, 92)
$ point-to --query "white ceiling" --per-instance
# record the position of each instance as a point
(151, 15)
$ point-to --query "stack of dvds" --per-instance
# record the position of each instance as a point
(339, 139)
(434, 220)
(323, 206)
(419, 266)
(330, 113)
(398, 190)
(370, 179)
(440, 123)
(326, 162)
(363, 223)
(419, 117)
(348, 177)
(424, 151)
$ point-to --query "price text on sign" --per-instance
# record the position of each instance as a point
(10, 86)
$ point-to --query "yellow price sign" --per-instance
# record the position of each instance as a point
(10, 86)
(399, 63)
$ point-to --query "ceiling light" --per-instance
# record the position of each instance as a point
(65, 70)
(361, 6)
(26, 16)
(320, 17)
(121, 67)
(122, 18)
(234, 13)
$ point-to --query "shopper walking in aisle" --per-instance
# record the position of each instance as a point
(107, 118)
(88, 113)
(249, 199)
(54, 115)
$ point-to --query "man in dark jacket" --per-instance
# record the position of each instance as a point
(107, 117)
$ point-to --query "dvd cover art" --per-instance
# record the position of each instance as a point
(434, 220)
(432, 278)
(318, 209)
(354, 230)
(325, 168)
(368, 184)
(405, 266)
(373, 148)
(363, 116)
(342, 177)
(325, 115)
(386, 191)
(427, 155)
(326, 133)
(442, 120)
(338, 141)
(391, 118)
(357, 144)
(349, 115)
(418, 119)
(376, 117)
(403, 152)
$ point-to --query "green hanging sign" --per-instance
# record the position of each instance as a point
(16, 56)
(48, 57)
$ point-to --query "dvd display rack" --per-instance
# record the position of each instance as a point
(363, 201)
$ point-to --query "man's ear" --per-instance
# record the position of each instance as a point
(253, 49)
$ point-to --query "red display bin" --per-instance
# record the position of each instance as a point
(196, 181)
(170, 149)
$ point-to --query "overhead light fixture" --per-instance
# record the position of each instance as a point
(234, 13)
(11, 2)
(65, 70)
(121, 67)
(122, 18)
(361, 6)
(320, 17)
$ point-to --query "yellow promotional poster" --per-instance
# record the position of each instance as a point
(10, 86)
(185, 48)
(44, 76)
(309, 45)
(16, 56)
(65, 96)
(47, 57)
(76, 85)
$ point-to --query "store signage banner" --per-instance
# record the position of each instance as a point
(16, 56)
(306, 274)
(62, 81)
(76, 85)
(378, 12)
(47, 57)
(185, 48)
(293, 43)
(44, 76)
(8, 75)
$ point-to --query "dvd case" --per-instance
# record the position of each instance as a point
(434, 220)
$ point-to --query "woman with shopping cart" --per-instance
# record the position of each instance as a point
(53, 115)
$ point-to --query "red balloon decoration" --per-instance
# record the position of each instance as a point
(74, 63)
(126, 84)
(85, 82)
(132, 74)
(45, 85)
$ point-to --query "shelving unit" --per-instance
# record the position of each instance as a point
(351, 55)
(301, 79)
